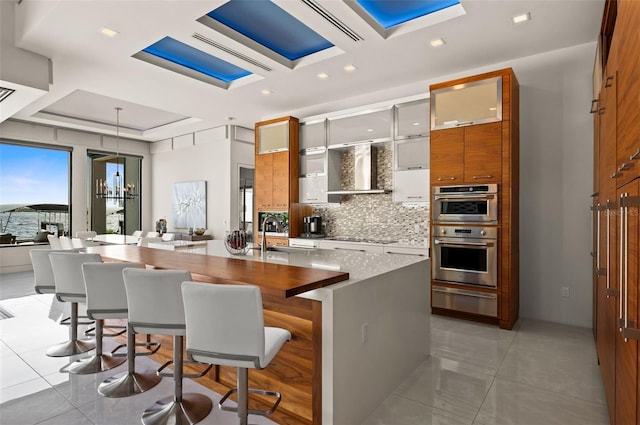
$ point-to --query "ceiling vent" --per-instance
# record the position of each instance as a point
(5, 92)
(230, 51)
(342, 27)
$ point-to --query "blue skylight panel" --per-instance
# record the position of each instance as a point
(197, 60)
(390, 13)
(269, 25)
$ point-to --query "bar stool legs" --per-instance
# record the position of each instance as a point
(129, 382)
(73, 345)
(184, 409)
(99, 362)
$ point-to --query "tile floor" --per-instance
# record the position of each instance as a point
(540, 373)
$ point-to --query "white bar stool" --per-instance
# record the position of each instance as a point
(67, 273)
(155, 306)
(225, 326)
(43, 280)
(106, 299)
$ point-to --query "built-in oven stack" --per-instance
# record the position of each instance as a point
(465, 249)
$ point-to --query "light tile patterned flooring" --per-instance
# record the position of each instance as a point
(540, 373)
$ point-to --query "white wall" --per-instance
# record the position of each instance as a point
(556, 181)
(211, 156)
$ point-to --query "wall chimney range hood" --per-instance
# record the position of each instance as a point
(365, 172)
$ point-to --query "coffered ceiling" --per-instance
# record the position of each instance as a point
(94, 73)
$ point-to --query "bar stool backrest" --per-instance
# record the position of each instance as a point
(154, 300)
(225, 322)
(67, 273)
(106, 295)
(42, 272)
(54, 242)
(65, 242)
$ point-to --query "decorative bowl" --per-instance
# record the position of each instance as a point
(199, 231)
(236, 242)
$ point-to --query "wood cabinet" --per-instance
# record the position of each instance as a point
(470, 154)
(617, 183)
(276, 175)
(480, 146)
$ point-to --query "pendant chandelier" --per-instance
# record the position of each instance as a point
(118, 190)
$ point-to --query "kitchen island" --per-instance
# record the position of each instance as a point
(354, 340)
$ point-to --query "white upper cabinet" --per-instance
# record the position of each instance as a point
(412, 119)
(313, 135)
(366, 127)
(477, 102)
(274, 137)
(411, 186)
(411, 154)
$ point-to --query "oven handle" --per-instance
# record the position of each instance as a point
(465, 197)
(463, 244)
(467, 294)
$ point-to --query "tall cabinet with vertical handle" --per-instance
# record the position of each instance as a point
(616, 109)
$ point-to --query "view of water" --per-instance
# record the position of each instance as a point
(25, 225)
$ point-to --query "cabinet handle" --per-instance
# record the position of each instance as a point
(464, 123)
(594, 106)
(601, 111)
(445, 178)
(615, 175)
(628, 326)
(597, 239)
(621, 277)
(636, 155)
(414, 197)
(625, 166)
(404, 253)
(350, 249)
(607, 82)
(608, 250)
(481, 177)
(312, 199)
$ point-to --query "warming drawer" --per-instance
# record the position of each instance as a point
(465, 300)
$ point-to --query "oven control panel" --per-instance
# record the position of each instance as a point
(466, 232)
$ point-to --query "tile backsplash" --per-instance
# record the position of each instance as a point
(374, 216)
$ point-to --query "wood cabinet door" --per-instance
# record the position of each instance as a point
(447, 156)
(626, 74)
(280, 179)
(483, 153)
(264, 182)
(626, 365)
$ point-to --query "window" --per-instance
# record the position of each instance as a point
(34, 190)
(108, 211)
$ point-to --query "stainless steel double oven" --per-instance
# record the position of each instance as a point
(465, 248)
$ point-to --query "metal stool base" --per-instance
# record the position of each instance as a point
(167, 411)
(95, 364)
(126, 384)
(70, 348)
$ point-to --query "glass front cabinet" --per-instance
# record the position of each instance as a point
(471, 103)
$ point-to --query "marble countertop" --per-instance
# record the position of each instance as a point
(359, 265)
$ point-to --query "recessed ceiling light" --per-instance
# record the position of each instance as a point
(323, 75)
(521, 18)
(350, 68)
(370, 129)
(493, 109)
(437, 42)
(108, 32)
(266, 92)
(416, 123)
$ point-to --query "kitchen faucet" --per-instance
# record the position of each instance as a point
(263, 243)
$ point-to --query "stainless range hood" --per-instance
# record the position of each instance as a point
(365, 172)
